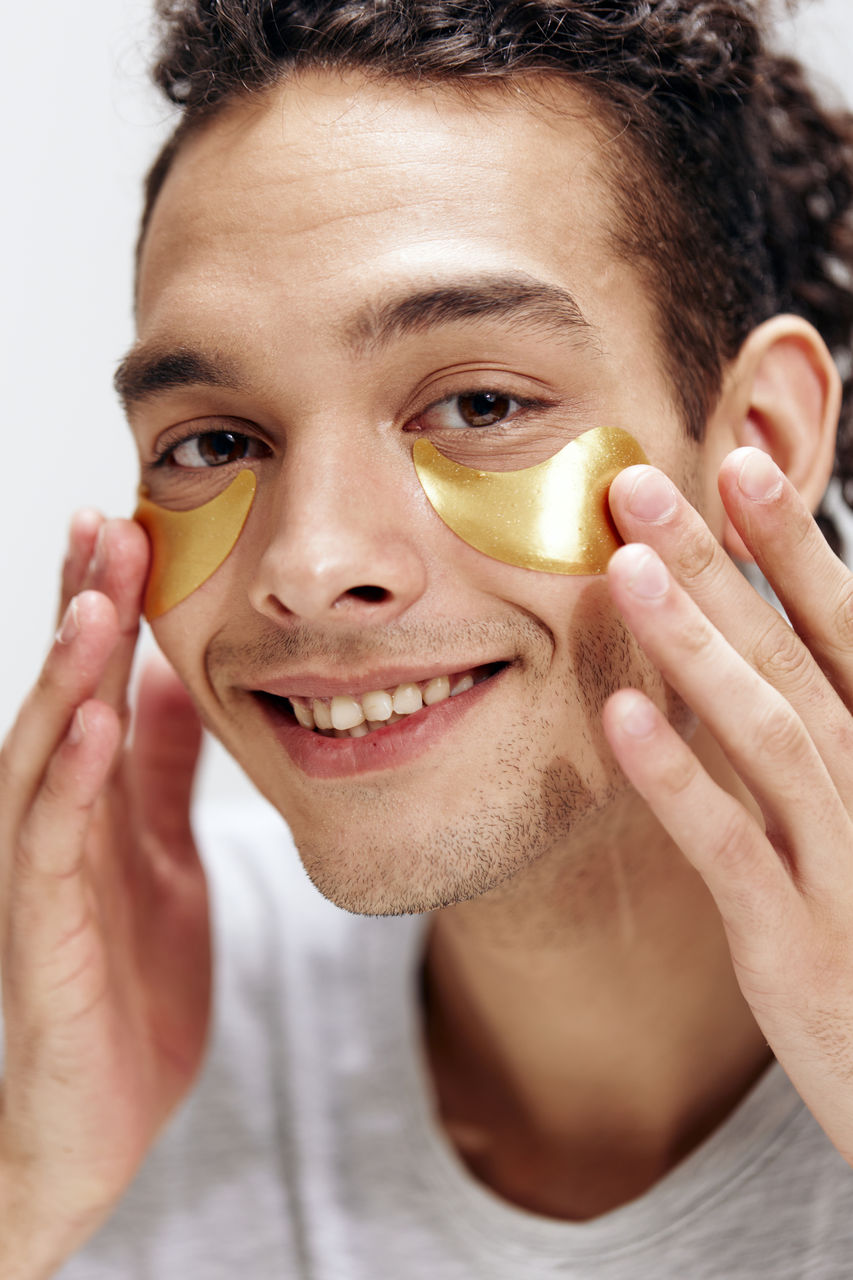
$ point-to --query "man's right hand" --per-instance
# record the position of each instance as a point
(104, 934)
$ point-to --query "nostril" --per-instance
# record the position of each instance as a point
(371, 595)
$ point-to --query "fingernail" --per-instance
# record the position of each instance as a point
(77, 731)
(652, 497)
(759, 478)
(638, 717)
(649, 579)
(69, 628)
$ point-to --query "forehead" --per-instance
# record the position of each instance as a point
(331, 187)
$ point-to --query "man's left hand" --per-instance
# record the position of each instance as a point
(778, 699)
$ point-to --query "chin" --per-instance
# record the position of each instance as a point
(440, 865)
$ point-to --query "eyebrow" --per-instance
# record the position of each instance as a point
(516, 297)
(146, 372)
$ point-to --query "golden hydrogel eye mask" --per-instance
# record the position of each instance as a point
(188, 546)
(552, 517)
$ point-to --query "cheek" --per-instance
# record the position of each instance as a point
(605, 657)
(602, 652)
(186, 632)
(182, 637)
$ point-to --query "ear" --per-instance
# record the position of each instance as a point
(782, 393)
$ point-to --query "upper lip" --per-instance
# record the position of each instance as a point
(309, 684)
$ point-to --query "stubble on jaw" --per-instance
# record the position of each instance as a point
(448, 862)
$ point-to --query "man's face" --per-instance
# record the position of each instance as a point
(330, 274)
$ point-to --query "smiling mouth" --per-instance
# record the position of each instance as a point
(348, 716)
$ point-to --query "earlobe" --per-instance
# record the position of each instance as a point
(783, 395)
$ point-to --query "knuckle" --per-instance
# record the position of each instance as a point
(695, 635)
(781, 657)
(39, 859)
(52, 793)
(779, 732)
(699, 557)
(677, 772)
(733, 853)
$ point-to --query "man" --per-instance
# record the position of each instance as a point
(616, 834)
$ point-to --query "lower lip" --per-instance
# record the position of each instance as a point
(388, 748)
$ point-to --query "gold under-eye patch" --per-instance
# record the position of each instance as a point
(188, 546)
(552, 517)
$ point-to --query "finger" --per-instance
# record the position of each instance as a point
(51, 842)
(48, 936)
(71, 673)
(649, 509)
(172, 904)
(756, 727)
(164, 755)
(813, 585)
(715, 833)
(82, 534)
(117, 568)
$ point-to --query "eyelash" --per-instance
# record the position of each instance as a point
(165, 452)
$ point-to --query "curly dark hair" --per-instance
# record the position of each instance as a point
(734, 182)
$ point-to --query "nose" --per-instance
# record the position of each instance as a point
(338, 543)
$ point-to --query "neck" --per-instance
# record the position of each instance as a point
(584, 1025)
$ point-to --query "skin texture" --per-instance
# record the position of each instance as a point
(673, 886)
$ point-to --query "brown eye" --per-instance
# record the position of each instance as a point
(219, 447)
(214, 449)
(471, 409)
(484, 408)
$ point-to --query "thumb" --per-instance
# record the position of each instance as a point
(164, 753)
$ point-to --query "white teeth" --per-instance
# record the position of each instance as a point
(377, 706)
(436, 690)
(345, 712)
(344, 716)
(407, 699)
(322, 714)
(303, 714)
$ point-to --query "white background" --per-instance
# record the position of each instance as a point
(80, 126)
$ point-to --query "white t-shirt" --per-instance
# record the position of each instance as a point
(309, 1150)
